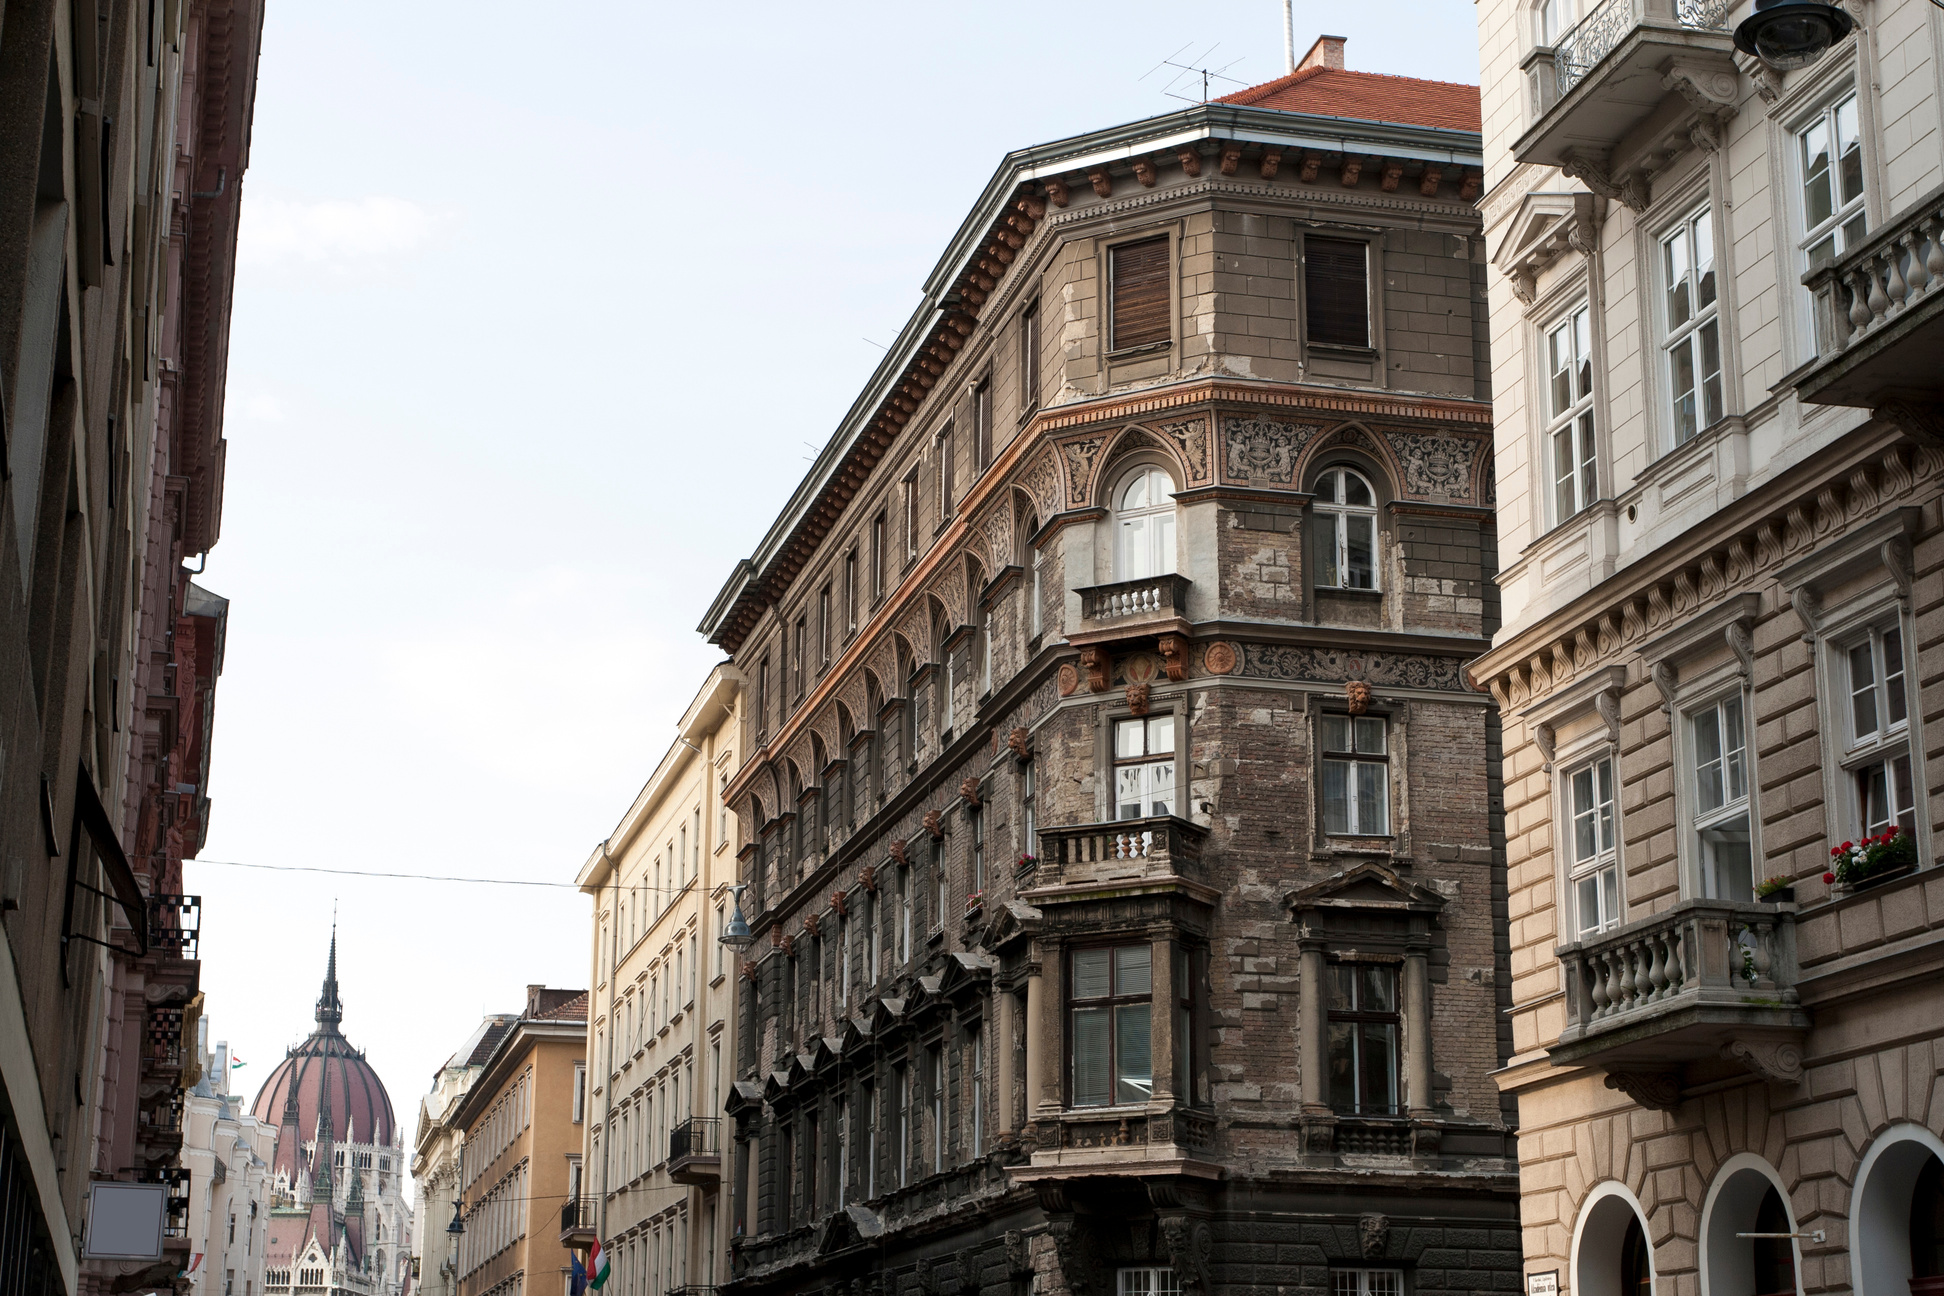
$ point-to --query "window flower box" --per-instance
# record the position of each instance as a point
(1855, 865)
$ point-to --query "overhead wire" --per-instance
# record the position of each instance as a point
(416, 877)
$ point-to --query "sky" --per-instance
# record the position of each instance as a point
(541, 313)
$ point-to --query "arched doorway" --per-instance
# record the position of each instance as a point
(1611, 1253)
(1746, 1200)
(1897, 1216)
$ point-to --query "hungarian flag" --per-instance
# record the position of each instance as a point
(236, 1062)
(597, 1267)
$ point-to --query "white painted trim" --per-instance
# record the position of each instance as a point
(1600, 1192)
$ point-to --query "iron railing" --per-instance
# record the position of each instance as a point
(694, 1137)
(1595, 36)
(175, 924)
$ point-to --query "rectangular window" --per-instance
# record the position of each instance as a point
(762, 698)
(843, 1153)
(1112, 1003)
(982, 424)
(802, 628)
(850, 591)
(870, 938)
(1830, 153)
(904, 915)
(911, 514)
(947, 473)
(940, 885)
(935, 1092)
(978, 852)
(1878, 763)
(1356, 776)
(901, 1150)
(1034, 623)
(1720, 782)
(1138, 273)
(1029, 358)
(823, 624)
(1366, 1282)
(1144, 767)
(870, 1141)
(1336, 292)
(580, 1092)
(1363, 1038)
(1556, 18)
(1028, 812)
(877, 556)
(1569, 413)
(844, 961)
(1693, 340)
(1595, 872)
(975, 1064)
(1147, 1282)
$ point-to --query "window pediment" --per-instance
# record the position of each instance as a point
(1364, 891)
(1546, 227)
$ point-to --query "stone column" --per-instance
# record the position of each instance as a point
(1161, 1028)
(1312, 1030)
(1002, 1040)
(1417, 1031)
(1043, 995)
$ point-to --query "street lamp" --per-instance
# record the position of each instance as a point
(1790, 34)
(737, 934)
(458, 1225)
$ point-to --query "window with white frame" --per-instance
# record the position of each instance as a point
(1144, 766)
(1569, 414)
(1367, 1282)
(1830, 153)
(1147, 1281)
(1594, 875)
(1356, 776)
(1144, 526)
(1718, 748)
(1345, 530)
(1692, 337)
(1878, 762)
(1556, 18)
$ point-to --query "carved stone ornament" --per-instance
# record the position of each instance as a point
(1356, 696)
(749, 969)
(969, 791)
(810, 924)
(840, 903)
(1776, 1061)
(1174, 656)
(789, 942)
(1069, 679)
(1189, 1244)
(1592, 172)
(1373, 1235)
(1137, 699)
(867, 878)
(1219, 658)
(1020, 743)
(777, 937)
(898, 853)
(1542, 738)
(1019, 1254)
(1664, 679)
(1262, 448)
(934, 824)
(1660, 1090)
(1435, 464)
(1097, 664)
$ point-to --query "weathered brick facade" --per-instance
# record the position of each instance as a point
(915, 1093)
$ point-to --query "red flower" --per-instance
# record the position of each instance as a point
(1849, 845)
(1829, 877)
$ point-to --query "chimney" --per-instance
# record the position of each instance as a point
(1327, 52)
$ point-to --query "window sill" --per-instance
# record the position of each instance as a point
(1344, 591)
(1342, 351)
(1136, 352)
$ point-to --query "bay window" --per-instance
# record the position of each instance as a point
(1144, 767)
(1110, 1020)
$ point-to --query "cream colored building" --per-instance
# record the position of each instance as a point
(1718, 352)
(438, 1148)
(661, 1015)
(227, 1152)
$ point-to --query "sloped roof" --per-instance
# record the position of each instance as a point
(1368, 96)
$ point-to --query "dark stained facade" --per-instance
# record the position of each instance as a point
(1125, 846)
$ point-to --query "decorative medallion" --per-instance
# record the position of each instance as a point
(1219, 658)
(1356, 695)
(1069, 679)
(1139, 668)
(1137, 699)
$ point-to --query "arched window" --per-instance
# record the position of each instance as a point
(1144, 526)
(1034, 589)
(1345, 531)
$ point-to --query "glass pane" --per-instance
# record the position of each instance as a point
(1872, 797)
(1370, 735)
(1906, 813)
(1371, 797)
(1609, 896)
(1360, 552)
(1128, 735)
(1853, 231)
(1161, 787)
(1728, 861)
(1674, 264)
(1377, 988)
(1560, 345)
(1344, 1281)
(1343, 986)
(1336, 796)
(1822, 252)
(1583, 356)
(1343, 1066)
(1135, 1282)
(1736, 754)
(1379, 1067)
(1817, 201)
(1588, 898)
(1133, 1054)
(1090, 1057)
(1356, 490)
(1136, 493)
(1563, 495)
(1328, 571)
(1585, 843)
(1136, 561)
(1134, 970)
(1384, 1282)
(1704, 259)
(1851, 147)
(1893, 676)
(1090, 974)
(1326, 487)
(1862, 690)
(1336, 733)
(1588, 476)
(1711, 408)
(1160, 735)
(1128, 799)
(1707, 760)
(1681, 382)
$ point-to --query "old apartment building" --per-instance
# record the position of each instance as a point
(647, 1176)
(124, 136)
(1718, 357)
(1119, 825)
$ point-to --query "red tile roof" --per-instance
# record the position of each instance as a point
(1371, 96)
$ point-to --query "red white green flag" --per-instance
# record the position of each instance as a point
(597, 1266)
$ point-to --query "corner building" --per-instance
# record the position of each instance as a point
(1120, 827)
(1718, 357)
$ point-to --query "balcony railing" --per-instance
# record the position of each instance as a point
(577, 1220)
(1155, 846)
(175, 924)
(1678, 985)
(1595, 36)
(1147, 605)
(695, 1150)
(176, 1220)
(1880, 314)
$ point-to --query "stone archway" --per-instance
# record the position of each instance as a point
(1746, 1197)
(1885, 1205)
(1611, 1253)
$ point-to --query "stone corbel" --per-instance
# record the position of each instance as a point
(1095, 662)
(1664, 679)
(1743, 646)
(1589, 213)
(1056, 191)
(1607, 703)
(1922, 421)
(1776, 1061)
(1808, 608)
(1174, 656)
(1659, 1090)
(1630, 189)
(1542, 738)
(1896, 558)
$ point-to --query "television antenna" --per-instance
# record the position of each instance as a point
(1187, 73)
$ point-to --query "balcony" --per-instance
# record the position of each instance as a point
(1129, 849)
(1133, 609)
(694, 1152)
(1629, 81)
(1708, 979)
(175, 924)
(1880, 318)
(577, 1221)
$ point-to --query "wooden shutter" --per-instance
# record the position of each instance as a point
(1336, 297)
(1140, 287)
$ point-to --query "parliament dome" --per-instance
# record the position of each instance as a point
(324, 1074)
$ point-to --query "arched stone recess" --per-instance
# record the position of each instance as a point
(1135, 443)
(824, 727)
(880, 666)
(1602, 1238)
(947, 592)
(851, 694)
(1079, 466)
(1352, 436)
(800, 764)
(914, 628)
(1041, 481)
(995, 530)
(1744, 1191)
(1884, 1197)
(1485, 479)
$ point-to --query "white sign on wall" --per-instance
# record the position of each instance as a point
(125, 1221)
(1543, 1284)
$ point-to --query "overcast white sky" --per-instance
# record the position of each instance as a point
(539, 312)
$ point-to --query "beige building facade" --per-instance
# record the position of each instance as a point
(227, 1152)
(1716, 349)
(659, 1035)
(438, 1158)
